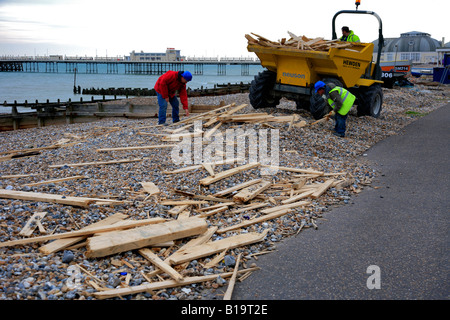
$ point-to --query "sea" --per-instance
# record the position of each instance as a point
(24, 86)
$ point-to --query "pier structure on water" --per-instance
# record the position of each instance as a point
(122, 66)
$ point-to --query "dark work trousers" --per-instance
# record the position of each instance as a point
(339, 126)
(163, 109)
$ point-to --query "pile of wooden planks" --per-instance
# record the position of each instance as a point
(300, 43)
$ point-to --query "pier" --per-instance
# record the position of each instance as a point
(89, 65)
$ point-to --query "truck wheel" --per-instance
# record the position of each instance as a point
(303, 103)
(370, 101)
(260, 90)
(333, 80)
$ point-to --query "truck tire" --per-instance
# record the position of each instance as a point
(260, 90)
(370, 101)
(333, 80)
(303, 103)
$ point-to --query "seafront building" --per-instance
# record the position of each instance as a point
(417, 47)
(171, 54)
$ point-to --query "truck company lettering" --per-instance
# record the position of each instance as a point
(293, 75)
(350, 63)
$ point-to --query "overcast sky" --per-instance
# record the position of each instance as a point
(197, 27)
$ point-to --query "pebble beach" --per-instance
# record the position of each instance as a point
(28, 274)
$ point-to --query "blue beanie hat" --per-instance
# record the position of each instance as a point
(318, 85)
(187, 75)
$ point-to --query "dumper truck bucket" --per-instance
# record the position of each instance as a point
(302, 68)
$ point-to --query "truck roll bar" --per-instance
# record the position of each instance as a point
(380, 29)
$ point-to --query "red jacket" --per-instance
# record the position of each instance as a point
(168, 84)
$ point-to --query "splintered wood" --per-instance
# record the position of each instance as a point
(191, 224)
(299, 43)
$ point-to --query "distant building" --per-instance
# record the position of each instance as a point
(170, 55)
(418, 47)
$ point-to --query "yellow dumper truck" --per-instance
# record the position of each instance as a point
(292, 71)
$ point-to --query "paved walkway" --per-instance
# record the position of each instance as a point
(402, 227)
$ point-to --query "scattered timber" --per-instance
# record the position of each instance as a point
(189, 232)
(53, 198)
(85, 232)
(300, 42)
(164, 284)
(120, 241)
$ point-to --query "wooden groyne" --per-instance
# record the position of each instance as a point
(218, 89)
(53, 113)
(75, 112)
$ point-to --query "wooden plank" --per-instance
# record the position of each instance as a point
(237, 187)
(14, 176)
(198, 166)
(201, 239)
(183, 215)
(250, 207)
(233, 110)
(153, 258)
(209, 168)
(228, 173)
(298, 197)
(60, 244)
(181, 202)
(185, 169)
(293, 169)
(229, 291)
(125, 240)
(180, 129)
(247, 223)
(323, 188)
(95, 163)
(31, 224)
(85, 232)
(252, 191)
(213, 247)
(54, 181)
(212, 212)
(219, 205)
(150, 188)
(53, 198)
(158, 146)
(202, 115)
(286, 206)
(164, 284)
(201, 197)
(212, 131)
(216, 259)
(177, 136)
(211, 121)
(177, 209)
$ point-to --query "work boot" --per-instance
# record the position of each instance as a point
(342, 135)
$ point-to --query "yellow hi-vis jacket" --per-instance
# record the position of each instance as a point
(347, 100)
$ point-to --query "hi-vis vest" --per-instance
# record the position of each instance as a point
(350, 38)
(347, 98)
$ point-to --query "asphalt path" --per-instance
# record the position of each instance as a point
(390, 243)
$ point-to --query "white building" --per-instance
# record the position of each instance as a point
(170, 55)
(418, 47)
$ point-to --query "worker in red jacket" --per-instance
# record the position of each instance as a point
(166, 88)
